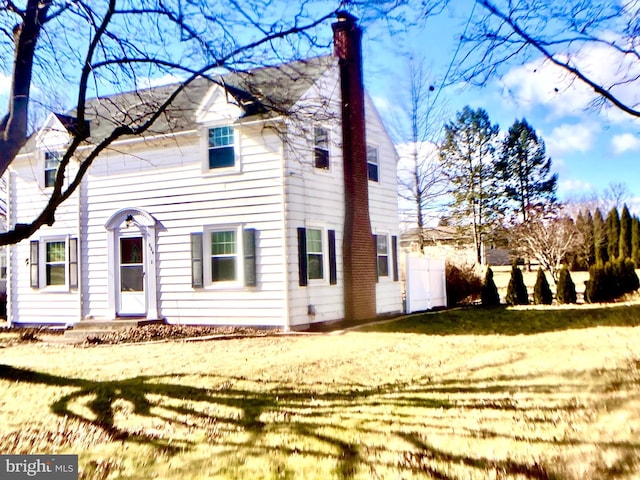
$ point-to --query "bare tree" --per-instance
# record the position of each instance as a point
(548, 240)
(420, 176)
(92, 49)
(561, 33)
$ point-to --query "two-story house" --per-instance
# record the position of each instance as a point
(266, 198)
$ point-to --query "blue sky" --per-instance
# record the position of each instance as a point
(589, 149)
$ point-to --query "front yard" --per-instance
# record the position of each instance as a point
(455, 395)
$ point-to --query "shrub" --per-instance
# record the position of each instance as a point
(463, 284)
(542, 294)
(595, 291)
(611, 281)
(517, 290)
(490, 295)
(566, 289)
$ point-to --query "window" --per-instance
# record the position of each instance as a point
(54, 263)
(221, 151)
(372, 163)
(321, 148)
(227, 256)
(382, 253)
(314, 254)
(223, 256)
(51, 163)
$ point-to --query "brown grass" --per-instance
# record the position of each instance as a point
(557, 404)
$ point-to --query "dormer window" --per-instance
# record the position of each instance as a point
(221, 151)
(51, 163)
(321, 148)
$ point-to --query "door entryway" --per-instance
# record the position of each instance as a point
(132, 296)
(132, 264)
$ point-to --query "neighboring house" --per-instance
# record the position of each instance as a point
(229, 213)
(445, 242)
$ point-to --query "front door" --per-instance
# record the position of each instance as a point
(131, 273)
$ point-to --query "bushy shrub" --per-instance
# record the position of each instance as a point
(490, 296)
(611, 280)
(542, 294)
(565, 289)
(517, 290)
(463, 284)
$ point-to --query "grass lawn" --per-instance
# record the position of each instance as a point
(462, 394)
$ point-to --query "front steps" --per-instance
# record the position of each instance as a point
(97, 328)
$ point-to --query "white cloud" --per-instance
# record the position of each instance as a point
(625, 142)
(542, 83)
(571, 137)
(574, 186)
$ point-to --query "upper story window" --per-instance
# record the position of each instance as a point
(321, 148)
(221, 151)
(51, 163)
(372, 164)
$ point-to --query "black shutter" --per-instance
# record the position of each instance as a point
(394, 251)
(73, 263)
(249, 240)
(33, 263)
(197, 280)
(333, 271)
(375, 255)
(302, 257)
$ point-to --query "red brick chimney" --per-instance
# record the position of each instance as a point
(359, 254)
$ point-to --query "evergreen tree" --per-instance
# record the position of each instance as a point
(490, 295)
(467, 157)
(596, 286)
(525, 171)
(517, 290)
(613, 234)
(565, 289)
(635, 241)
(624, 247)
(542, 294)
(600, 238)
(585, 254)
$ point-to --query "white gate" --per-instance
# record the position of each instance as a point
(425, 285)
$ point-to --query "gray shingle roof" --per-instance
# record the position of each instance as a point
(264, 91)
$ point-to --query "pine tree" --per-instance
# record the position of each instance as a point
(525, 171)
(624, 247)
(613, 234)
(635, 241)
(542, 294)
(565, 289)
(517, 290)
(490, 295)
(596, 286)
(600, 238)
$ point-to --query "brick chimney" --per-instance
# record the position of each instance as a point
(359, 254)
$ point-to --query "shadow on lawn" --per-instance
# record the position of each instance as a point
(510, 321)
(265, 410)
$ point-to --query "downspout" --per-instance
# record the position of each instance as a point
(9, 251)
(283, 179)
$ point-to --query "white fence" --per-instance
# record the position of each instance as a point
(425, 285)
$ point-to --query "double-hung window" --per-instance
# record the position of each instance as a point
(224, 256)
(221, 147)
(372, 164)
(54, 263)
(51, 163)
(316, 255)
(321, 148)
(382, 254)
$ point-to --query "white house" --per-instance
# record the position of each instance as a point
(229, 213)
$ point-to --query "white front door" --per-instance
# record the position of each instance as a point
(132, 298)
